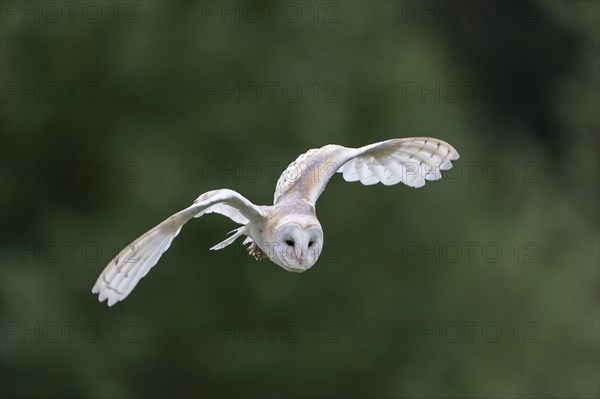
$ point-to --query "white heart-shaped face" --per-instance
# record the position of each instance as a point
(298, 241)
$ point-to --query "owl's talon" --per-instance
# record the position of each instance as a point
(255, 251)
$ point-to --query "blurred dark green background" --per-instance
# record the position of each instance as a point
(485, 284)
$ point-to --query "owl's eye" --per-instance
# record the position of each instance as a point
(310, 243)
(290, 242)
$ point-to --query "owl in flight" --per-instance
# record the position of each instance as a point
(287, 232)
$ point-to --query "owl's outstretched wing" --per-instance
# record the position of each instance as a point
(123, 273)
(411, 161)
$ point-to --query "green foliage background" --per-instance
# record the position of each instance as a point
(158, 153)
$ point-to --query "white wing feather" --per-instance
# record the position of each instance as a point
(411, 161)
(123, 273)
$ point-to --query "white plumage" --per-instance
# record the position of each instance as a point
(287, 232)
(410, 161)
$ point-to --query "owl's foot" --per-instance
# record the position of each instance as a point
(256, 252)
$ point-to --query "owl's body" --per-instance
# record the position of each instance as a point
(287, 232)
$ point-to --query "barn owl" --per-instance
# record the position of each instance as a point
(288, 232)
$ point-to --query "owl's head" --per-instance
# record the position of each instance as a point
(298, 241)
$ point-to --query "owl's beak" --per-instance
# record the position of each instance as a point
(300, 256)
